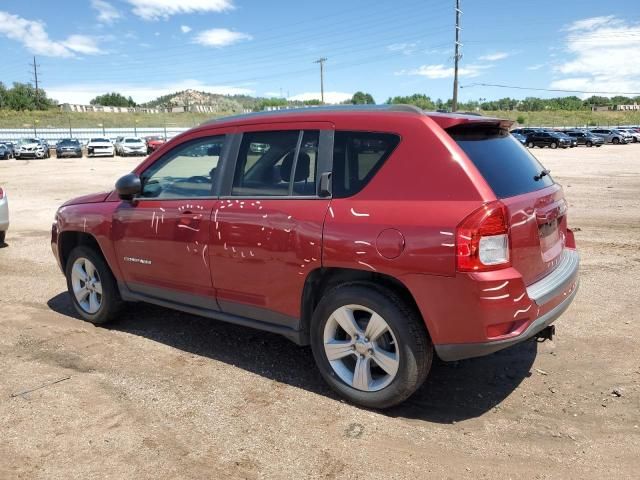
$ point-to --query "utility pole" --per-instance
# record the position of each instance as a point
(321, 61)
(35, 78)
(456, 58)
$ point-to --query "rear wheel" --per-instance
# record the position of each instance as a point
(589, 144)
(554, 145)
(530, 144)
(369, 346)
(615, 141)
(93, 289)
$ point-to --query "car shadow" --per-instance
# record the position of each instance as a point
(454, 391)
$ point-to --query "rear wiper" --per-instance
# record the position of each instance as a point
(543, 173)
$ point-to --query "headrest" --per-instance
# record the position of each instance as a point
(302, 168)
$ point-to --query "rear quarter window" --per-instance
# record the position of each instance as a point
(505, 164)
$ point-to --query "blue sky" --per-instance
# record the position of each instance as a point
(145, 48)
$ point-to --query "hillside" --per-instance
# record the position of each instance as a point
(225, 103)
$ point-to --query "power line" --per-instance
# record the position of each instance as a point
(456, 58)
(546, 89)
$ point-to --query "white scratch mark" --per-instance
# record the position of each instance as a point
(259, 244)
(260, 208)
(356, 214)
(262, 229)
(251, 253)
(521, 311)
(233, 249)
(216, 225)
(257, 202)
(361, 242)
(288, 230)
(215, 216)
(306, 260)
(219, 236)
(311, 243)
(185, 226)
(465, 237)
(84, 225)
(242, 254)
(447, 244)
(446, 233)
(499, 287)
(361, 253)
(519, 298)
(225, 246)
(188, 249)
(162, 218)
(264, 216)
(153, 219)
(162, 209)
(289, 217)
(331, 212)
(314, 259)
(500, 297)
(302, 265)
(367, 265)
(203, 255)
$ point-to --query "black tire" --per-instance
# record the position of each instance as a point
(589, 144)
(554, 145)
(3, 235)
(598, 145)
(414, 347)
(111, 303)
(615, 141)
(530, 144)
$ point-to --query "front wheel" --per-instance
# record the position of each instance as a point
(369, 345)
(554, 145)
(615, 141)
(3, 235)
(589, 144)
(93, 289)
(530, 145)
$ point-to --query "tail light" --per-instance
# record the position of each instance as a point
(1, 193)
(482, 240)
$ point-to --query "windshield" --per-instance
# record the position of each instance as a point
(68, 142)
(133, 140)
(99, 140)
(29, 140)
(505, 164)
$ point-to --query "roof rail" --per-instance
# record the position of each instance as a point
(328, 108)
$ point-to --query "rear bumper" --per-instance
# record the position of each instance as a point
(558, 289)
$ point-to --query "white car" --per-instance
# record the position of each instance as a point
(100, 147)
(133, 146)
(635, 136)
(31, 148)
(4, 215)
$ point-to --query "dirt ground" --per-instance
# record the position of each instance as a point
(161, 394)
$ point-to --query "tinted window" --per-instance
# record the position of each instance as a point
(505, 164)
(133, 140)
(357, 156)
(187, 171)
(267, 164)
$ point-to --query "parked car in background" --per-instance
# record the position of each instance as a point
(526, 131)
(574, 142)
(154, 142)
(100, 147)
(290, 241)
(5, 153)
(69, 147)
(632, 135)
(610, 135)
(585, 137)
(118, 145)
(4, 215)
(31, 148)
(132, 146)
(520, 137)
(10, 146)
(548, 139)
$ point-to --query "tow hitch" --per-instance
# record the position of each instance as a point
(546, 334)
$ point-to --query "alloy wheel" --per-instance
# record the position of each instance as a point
(87, 287)
(361, 348)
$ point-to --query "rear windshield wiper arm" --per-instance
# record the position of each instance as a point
(543, 173)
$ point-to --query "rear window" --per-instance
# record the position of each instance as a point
(505, 164)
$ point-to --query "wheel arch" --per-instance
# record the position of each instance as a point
(322, 280)
(68, 240)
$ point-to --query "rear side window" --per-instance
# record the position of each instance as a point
(505, 164)
(357, 156)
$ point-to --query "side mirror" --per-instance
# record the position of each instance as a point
(128, 186)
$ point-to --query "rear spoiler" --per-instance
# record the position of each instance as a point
(449, 120)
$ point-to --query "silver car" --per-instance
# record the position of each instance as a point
(610, 135)
(4, 215)
(634, 136)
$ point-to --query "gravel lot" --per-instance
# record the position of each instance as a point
(162, 394)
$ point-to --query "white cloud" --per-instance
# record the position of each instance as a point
(83, 93)
(34, 37)
(220, 37)
(329, 97)
(492, 57)
(185, 28)
(602, 56)
(537, 66)
(157, 9)
(442, 71)
(106, 12)
(82, 44)
(404, 48)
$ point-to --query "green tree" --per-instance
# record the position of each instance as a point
(113, 100)
(22, 96)
(361, 98)
(418, 99)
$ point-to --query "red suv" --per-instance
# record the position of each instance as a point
(378, 235)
